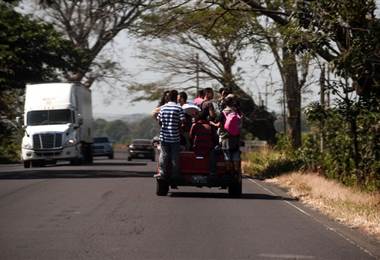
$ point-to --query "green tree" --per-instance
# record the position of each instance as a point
(345, 33)
(145, 128)
(117, 130)
(30, 50)
(275, 35)
(198, 41)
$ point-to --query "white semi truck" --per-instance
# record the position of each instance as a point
(57, 123)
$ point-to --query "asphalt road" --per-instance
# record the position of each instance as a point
(109, 210)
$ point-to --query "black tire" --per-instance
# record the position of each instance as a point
(110, 156)
(153, 159)
(87, 156)
(27, 164)
(235, 190)
(37, 163)
(162, 188)
(129, 159)
(75, 161)
(90, 156)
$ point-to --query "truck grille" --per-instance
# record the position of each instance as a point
(47, 141)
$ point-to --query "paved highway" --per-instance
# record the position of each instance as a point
(109, 210)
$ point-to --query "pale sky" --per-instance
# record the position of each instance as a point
(125, 50)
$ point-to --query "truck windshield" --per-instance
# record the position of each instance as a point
(50, 117)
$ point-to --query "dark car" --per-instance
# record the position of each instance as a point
(141, 148)
(102, 147)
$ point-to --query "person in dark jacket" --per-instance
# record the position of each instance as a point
(202, 136)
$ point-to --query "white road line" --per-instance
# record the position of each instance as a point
(261, 186)
(297, 208)
(286, 256)
(315, 219)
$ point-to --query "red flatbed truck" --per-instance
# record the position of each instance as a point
(195, 171)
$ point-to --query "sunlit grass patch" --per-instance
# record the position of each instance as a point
(267, 163)
(351, 206)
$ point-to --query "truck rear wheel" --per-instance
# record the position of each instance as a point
(162, 188)
(235, 189)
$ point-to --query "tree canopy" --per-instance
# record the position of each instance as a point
(31, 50)
(346, 33)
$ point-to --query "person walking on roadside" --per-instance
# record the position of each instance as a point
(171, 118)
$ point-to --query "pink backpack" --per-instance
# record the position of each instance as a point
(232, 124)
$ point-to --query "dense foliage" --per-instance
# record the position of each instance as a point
(346, 33)
(351, 143)
(123, 132)
(30, 50)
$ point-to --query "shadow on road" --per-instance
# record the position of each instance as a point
(249, 196)
(72, 174)
(102, 164)
(120, 164)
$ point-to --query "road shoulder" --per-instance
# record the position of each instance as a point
(364, 242)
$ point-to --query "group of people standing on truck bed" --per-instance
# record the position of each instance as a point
(203, 126)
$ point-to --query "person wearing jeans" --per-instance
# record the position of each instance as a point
(169, 156)
(171, 118)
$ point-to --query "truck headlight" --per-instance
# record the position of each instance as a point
(70, 142)
(27, 146)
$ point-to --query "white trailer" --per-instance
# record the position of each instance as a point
(58, 124)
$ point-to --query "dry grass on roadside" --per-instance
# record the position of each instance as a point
(348, 205)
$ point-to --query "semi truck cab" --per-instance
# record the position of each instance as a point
(57, 124)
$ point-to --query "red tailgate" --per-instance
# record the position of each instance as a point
(190, 164)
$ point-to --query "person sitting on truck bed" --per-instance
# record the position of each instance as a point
(207, 107)
(185, 140)
(163, 101)
(200, 97)
(203, 141)
(170, 117)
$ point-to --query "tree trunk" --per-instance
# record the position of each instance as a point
(293, 95)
